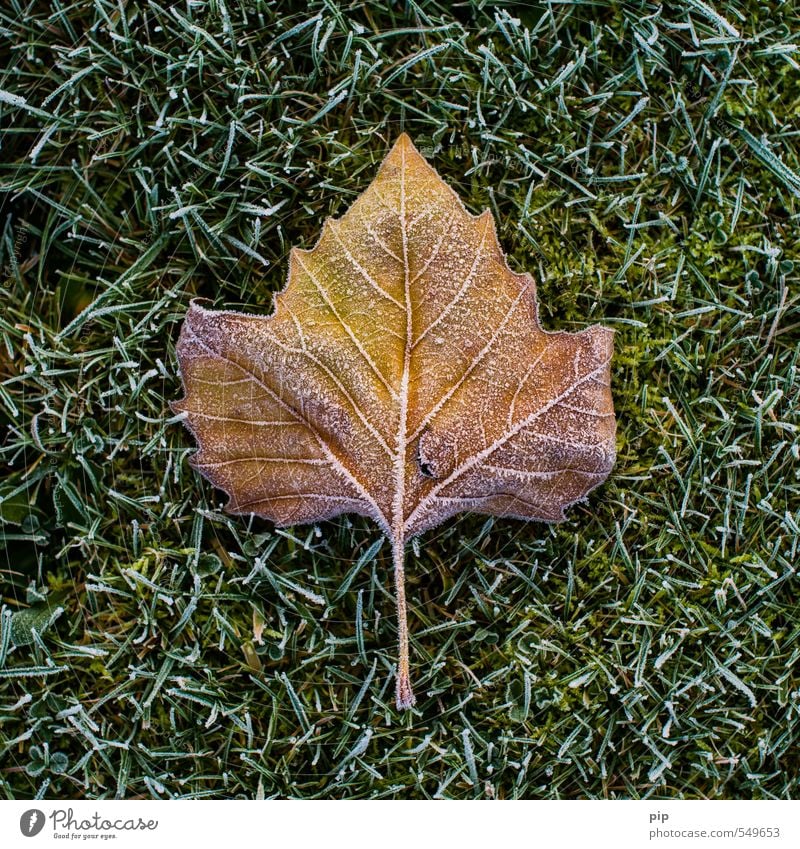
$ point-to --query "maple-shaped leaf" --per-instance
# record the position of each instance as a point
(403, 376)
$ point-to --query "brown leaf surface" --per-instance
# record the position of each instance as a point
(403, 376)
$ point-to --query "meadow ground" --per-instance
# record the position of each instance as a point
(641, 161)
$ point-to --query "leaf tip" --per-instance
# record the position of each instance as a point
(404, 141)
(404, 151)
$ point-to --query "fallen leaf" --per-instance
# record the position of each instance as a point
(403, 376)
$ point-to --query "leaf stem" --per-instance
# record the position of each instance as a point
(404, 693)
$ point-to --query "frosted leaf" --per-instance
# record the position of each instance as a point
(403, 376)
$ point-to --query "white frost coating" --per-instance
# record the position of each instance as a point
(403, 376)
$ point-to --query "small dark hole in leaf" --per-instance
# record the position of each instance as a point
(425, 467)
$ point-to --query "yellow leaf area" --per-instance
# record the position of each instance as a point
(403, 376)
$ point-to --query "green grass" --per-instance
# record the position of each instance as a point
(641, 161)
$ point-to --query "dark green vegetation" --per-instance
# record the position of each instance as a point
(641, 163)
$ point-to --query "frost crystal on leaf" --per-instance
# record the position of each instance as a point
(403, 376)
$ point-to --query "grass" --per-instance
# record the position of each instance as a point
(641, 161)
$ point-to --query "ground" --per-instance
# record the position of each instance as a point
(640, 160)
